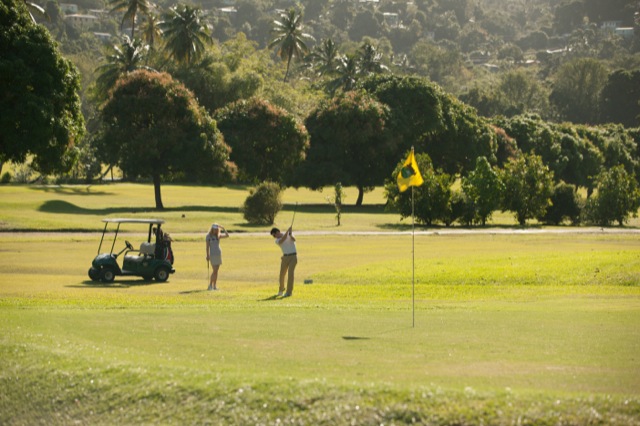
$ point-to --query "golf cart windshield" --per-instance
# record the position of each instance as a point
(119, 221)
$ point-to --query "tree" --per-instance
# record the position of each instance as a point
(185, 33)
(130, 56)
(565, 204)
(528, 185)
(577, 88)
(263, 204)
(483, 188)
(151, 32)
(349, 144)
(154, 127)
(618, 197)
(131, 8)
(431, 199)
(267, 143)
(347, 74)
(620, 98)
(39, 99)
(289, 38)
(371, 60)
(325, 57)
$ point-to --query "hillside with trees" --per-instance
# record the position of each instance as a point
(544, 88)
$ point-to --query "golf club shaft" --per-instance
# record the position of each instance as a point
(294, 214)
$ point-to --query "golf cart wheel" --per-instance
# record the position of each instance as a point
(94, 274)
(107, 275)
(161, 274)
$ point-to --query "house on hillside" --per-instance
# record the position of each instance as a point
(81, 21)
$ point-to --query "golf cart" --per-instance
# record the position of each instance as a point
(149, 261)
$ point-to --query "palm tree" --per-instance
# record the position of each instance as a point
(39, 10)
(127, 57)
(371, 60)
(289, 37)
(325, 57)
(131, 8)
(348, 71)
(151, 32)
(185, 32)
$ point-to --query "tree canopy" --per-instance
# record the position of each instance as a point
(350, 143)
(267, 142)
(39, 98)
(153, 127)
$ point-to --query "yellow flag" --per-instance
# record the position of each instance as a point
(409, 174)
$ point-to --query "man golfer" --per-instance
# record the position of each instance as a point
(287, 243)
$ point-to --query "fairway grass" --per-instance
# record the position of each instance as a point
(509, 329)
(505, 326)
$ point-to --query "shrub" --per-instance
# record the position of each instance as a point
(263, 204)
(6, 177)
(565, 204)
(618, 198)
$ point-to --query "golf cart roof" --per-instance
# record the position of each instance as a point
(124, 220)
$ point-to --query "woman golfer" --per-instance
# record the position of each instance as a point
(214, 253)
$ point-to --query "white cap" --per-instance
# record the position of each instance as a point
(214, 226)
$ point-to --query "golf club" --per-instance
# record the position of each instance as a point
(294, 214)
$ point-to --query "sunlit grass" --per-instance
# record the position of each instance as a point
(509, 329)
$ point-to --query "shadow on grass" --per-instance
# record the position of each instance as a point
(66, 190)
(114, 284)
(193, 291)
(270, 298)
(65, 207)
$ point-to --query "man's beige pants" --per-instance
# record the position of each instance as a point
(288, 266)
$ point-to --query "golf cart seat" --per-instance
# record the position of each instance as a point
(147, 249)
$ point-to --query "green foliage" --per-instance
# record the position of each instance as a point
(185, 33)
(131, 9)
(617, 198)
(415, 105)
(267, 143)
(464, 137)
(483, 190)
(130, 56)
(576, 89)
(570, 151)
(565, 205)
(226, 74)
(153, 127)
(263, 204)
(620, 98)
(528, 186)
(40, 106)
(432, 199)
(6, 177)
(350, 143)
(336, 201)
(289, 39)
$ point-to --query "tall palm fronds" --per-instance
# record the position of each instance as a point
(129, 56)
(151, 32)
(348, 71)
(325, 57)
(185, 33)
(131, 8)
(371, 60)
(33, 7)
(289, 37)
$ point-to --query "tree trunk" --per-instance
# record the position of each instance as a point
(286, 74)
(360, 196)
(156, 189)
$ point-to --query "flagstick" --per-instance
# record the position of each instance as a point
(413, 263)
